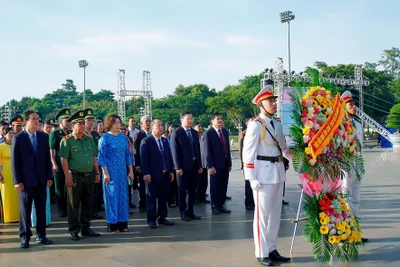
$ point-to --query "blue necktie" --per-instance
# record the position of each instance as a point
(189, 134)
(33, 141)
(160, 146)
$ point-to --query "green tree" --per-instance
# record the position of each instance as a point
(393, 120)
(390, 60)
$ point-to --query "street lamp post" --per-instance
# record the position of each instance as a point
(287, 16)
(83, 64)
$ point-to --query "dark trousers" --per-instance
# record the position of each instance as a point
(202, 187)
(97, 195)
(80, 197)
(60, 189)
(218, 187)
(173, 197)
(38, 194)
(187, 186)
(156, 197)
(248, 194)
(142, 190)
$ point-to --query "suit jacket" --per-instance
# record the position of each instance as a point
(203, 151)
(136, 144)
(28, 167)
(215, 152)
(152, 160)
(181, 149)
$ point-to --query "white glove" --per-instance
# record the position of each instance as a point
(255, 184)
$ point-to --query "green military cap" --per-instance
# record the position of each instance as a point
(51, 122)
(78, 116)
(99, 119)
(16, 120)
(88, 113)
(63, 114)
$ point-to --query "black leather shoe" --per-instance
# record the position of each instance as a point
(228, 197)
(90, 232)
(172, 205)
(75, 236)
(250, 208)
(364, 240)
(24, 243)
(206, 201)
(275, 256)
(216, 211)
(223, 210)
(285, 203)
(165, 222)
(265, 261)
(185, 218)
(153, 225)
(96, 216)
(195, 217)
(44, 241)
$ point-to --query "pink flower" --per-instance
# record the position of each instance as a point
(314, 120)
(306, 138)
(309, 124)
(309, 103)
(310, 115)
(304, 120)
(316, 126)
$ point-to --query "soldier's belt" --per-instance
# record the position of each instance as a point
(272, 159)
(82, 174)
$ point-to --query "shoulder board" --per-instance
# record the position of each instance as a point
(67, 137)
(264, 130)
(88, 135)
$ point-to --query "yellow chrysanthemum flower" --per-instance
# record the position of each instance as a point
(324, 230)
(324, 220)
(307, 150)
(306, 130)
(343, 237)
(351, 239)
(332, 239)
(322, 215)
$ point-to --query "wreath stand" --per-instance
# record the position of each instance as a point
(298, 219)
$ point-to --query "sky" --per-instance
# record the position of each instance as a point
(215, 42)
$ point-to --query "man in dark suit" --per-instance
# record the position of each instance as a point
(31, 168)
(203, 181)
(144, 132)
(187, 161)
(158, 172)
(219, 163)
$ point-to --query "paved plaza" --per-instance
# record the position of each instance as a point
(220, 240)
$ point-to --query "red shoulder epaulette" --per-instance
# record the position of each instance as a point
(67, 136)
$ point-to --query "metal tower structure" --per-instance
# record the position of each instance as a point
(145, 92)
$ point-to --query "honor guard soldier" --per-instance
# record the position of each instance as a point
(263, 150)
(351, 184)
(59, 178)
(16, 123)
(97, 193)
(78, 154)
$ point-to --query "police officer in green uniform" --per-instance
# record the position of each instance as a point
(59, 178)
(97, 193)
(78, 153)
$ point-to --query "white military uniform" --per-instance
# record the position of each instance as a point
(266, 179)
(351, 184)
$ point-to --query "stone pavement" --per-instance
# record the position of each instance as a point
(220, 240)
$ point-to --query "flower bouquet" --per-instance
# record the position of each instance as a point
(326, 146)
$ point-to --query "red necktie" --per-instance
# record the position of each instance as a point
(221, 137)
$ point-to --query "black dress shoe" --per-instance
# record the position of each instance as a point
(216, 211)
(265, 261)
(75, 236)
(285, 202)
(185, 218)
(172, 205)
(44, 241)
(250, 208)
(153, 225)
(364, 240)
(24, 243)
(206, 201)
(223, 210)
(194, 217)
(96, 216)
(228, 197)
(90, 232)
(165, 222)
(275, 256)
